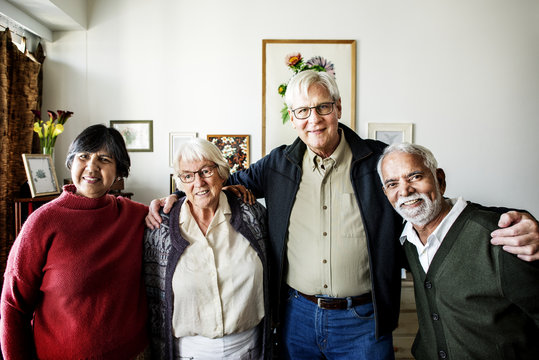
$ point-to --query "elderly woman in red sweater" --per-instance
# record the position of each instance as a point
(73, 285)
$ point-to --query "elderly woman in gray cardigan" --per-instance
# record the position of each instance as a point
(205, 267)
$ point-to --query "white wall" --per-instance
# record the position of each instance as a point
(466, 73)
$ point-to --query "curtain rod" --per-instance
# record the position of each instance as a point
(16, 29)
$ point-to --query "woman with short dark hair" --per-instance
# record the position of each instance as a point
(73, 286)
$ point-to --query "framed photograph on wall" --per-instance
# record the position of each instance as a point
(172, 187)
(40, 174)
(338, 56)
(138, 134)
(391, 133)
(175, 139)
(235, 149)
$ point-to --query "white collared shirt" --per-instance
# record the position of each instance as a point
(426, 252)
(217, 284)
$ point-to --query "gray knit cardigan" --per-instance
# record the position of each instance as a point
(163, 248)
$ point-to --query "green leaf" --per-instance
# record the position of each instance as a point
(318, 68)
(284, 114)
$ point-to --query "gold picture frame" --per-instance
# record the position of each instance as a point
(41, 174)
(172, 187)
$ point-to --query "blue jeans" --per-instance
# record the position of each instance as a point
(310, 332)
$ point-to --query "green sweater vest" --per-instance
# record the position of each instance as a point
(476, 300)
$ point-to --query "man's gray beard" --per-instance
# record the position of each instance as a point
(423, 214)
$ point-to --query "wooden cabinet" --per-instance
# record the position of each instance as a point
(24, 206)
(405, 333)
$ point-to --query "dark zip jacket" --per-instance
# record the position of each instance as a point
(276, 178)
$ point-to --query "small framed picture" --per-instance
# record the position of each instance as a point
(138, 134)
(172, 187)
(391, 133)
(235, 149)
(175, 139)
(41, 174)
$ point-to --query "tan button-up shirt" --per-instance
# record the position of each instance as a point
(217, 284)
(327, 247)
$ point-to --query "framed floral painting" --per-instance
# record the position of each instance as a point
(281, 59)
(235, 149)
(138, 134)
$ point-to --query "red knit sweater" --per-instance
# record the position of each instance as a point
(75, 269)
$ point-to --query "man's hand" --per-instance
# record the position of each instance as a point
(242, 192)
(519, 235)
(153, 219)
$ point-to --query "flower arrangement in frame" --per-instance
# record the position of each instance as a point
(235, 149)
(138, 134)
(391, 133)
(40, 174)
(297, 64)
(280, 61)
(175, 139)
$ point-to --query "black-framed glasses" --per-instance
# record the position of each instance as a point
(187, 177)
(303, 113)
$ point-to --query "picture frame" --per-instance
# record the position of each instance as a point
(41, 174)
(172, 187)
(175, 139)
(137, 134)
(391, 133)
(342, 53)
(235, 149)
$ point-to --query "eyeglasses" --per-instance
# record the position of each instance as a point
(303, 113)
(189, 176)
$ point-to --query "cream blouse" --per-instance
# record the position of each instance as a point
(217, 284)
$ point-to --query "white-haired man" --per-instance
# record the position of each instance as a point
(333, 252)
(474, 300)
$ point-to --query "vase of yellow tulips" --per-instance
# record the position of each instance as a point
(50, 129)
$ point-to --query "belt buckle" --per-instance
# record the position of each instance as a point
(320, 299)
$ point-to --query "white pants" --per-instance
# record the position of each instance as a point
(240, 346)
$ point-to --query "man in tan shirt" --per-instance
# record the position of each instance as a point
(333, 245)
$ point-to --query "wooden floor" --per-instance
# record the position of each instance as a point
(404, 334)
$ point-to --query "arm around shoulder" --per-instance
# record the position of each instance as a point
(519, 235)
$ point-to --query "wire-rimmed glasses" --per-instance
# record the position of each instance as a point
(303, 113)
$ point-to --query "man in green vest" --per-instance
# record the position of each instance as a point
(474, 300)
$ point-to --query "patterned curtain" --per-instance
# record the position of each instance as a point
(19, 94)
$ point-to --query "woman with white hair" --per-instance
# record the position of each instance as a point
(205, 266)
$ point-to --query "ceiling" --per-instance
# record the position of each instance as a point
(47, 13)
(43, 17)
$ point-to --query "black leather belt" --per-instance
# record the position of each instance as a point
(330, 303)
